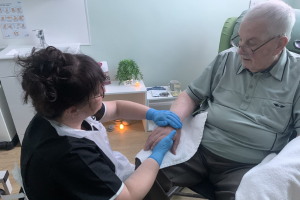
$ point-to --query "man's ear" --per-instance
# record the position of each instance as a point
(72, 112)
(281, 44)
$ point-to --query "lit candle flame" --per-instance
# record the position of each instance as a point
(137, 83)
(121, 126)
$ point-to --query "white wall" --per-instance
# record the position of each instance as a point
(295, 4)
(63, 21)
(170, 39)
(290, 2)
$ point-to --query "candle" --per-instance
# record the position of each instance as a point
(137, 83)
(121, 126)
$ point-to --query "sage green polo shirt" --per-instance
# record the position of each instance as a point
(249, 114)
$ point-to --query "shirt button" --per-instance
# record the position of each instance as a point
(251, 86)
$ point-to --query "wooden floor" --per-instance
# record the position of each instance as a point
(128, 141)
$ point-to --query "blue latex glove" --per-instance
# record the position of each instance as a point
(164, 118)
(162, 147)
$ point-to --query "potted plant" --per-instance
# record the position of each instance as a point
(128, 70)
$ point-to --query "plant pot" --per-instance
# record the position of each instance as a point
(128, 82)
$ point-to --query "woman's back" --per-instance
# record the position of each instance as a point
(62, 167)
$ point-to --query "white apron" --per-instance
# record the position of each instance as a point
(123, 168)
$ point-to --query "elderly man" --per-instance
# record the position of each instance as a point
(251, 94)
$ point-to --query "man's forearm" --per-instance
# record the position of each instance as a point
(183, 105)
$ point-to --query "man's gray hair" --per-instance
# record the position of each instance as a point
(279, 16)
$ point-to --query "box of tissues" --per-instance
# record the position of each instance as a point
(104, 67)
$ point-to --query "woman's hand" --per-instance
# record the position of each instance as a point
(158, 134)
(164, 118)
(162, 147)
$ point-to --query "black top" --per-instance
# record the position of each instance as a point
(63, 167)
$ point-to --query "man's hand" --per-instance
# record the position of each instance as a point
(158, 134)
(164, 118)
(162, 148)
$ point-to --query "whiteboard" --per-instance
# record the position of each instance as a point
(63, 21)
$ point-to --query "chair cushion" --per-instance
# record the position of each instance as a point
(294, 36)
(226, 33)
(295, 33)
(237, 25)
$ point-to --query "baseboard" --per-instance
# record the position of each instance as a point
(9, 145)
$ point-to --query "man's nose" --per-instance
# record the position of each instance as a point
(241, 51)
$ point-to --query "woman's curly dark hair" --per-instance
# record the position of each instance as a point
(55, 81)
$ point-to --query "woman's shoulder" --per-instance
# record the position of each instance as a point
(42, 138)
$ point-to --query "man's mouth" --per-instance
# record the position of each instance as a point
(246, 59)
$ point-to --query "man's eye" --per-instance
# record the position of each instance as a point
(250, 43)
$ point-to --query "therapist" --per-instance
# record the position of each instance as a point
(65, 152)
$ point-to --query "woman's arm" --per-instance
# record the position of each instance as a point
(130, 110)
(125, 110)
(139, 183)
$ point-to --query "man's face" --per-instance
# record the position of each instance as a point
(252, 35)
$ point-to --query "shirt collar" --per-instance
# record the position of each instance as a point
(277, 70)
(64, 130)
(241, 69)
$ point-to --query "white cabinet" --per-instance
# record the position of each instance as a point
(21, 113)
(7, 127)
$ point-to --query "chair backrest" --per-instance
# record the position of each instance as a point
(232, 25)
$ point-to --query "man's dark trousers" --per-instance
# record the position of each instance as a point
(223, 174)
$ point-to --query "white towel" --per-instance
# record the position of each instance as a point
(277, 177)
(191, 135)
